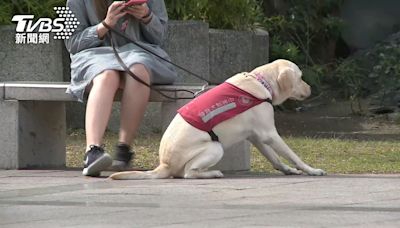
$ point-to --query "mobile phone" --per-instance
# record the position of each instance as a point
(134, 2)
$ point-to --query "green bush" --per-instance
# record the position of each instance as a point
(349, 79)
(306, 24)
(285, 50)
(6, 12)
(313, 76)
(222, 14)
(39, 8)
(301, 31)
(374, 72)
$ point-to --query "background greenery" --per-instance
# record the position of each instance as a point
(223, 14)
(39, 8)
(372, 72)
(305, 31)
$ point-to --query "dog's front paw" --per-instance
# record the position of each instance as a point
(291, 171)
(317, 172)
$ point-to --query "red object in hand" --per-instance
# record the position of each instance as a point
(135, 2)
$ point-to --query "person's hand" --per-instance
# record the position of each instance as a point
(115, 12)
(140, 12)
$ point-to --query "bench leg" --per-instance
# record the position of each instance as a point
(8, 134)
(33, 136)
(236, 158)
(168, 111)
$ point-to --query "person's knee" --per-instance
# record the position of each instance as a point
(108, 79)
(140, 71)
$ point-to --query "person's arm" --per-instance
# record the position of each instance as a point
(153, 19)
(88, 36)
(85, 35)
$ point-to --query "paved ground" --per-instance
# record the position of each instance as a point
(66, 199)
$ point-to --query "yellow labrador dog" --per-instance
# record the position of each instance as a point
(188, 152)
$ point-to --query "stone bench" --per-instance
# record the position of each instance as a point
(33, 124)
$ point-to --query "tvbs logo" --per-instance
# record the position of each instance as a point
(25, 24)
(29, 31)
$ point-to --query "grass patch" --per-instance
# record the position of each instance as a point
(340, 156)
(332, 155)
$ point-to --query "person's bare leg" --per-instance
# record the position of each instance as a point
(133, 104)
(99, 106)
(98, 110)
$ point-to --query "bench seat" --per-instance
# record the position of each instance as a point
(55, 91)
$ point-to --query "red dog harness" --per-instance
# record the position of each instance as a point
(217, 105)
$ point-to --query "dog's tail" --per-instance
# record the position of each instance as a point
(161, 172)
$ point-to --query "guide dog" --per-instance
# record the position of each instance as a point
(188, 152)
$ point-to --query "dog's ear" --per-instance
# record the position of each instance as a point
(286, 79)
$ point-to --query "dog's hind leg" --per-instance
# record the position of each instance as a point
(270, 154)
(198, 166)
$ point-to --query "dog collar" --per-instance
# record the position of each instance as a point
(264, 82)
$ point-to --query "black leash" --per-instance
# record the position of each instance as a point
(134, 76)
(126, 68)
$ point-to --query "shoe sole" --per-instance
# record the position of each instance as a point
(99, 165)
(120, 166)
